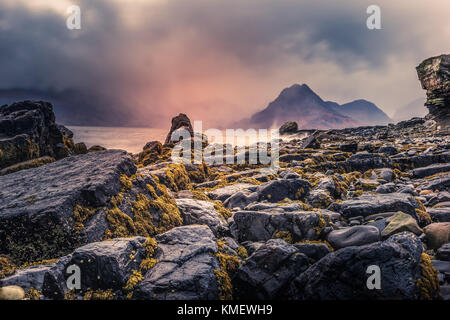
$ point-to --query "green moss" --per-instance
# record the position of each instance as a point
(242, 252)
(80, 215)
(224, 212)
(143, 220)
(133, 280)
(177, 177)
(321, 224)
(120, 225)
(228, 265)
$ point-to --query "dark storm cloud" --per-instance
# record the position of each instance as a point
(138, 63)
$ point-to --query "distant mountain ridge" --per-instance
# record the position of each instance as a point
(301, 104)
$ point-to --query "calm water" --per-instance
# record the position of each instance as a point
(130, 139)
(133, 139)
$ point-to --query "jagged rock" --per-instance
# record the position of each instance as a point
(272, 191)
(376, 203)
(268, 270)
(434, 75)
(437, 234)
(342, 274)
(262, 226)
(310, 142)
(443, 253)
(401, 222)
(202, 212)
(27, 165)
(28, 131)
(37, 205)
(431, 170)
(103, 265)
(185, 269)
(353, 236)
(179, 122)
(288, 128)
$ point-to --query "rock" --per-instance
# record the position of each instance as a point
(268, 271)
(363, 161)
(439, 214)
(439, 198)
(440, 182)
(153, 151)
(28, 131)
(27, 278)
(349, 147)
(179, 122)
(313, 250)
(434, 75)
(288, 128)
(437, 234)
(37, 205)
(103, 265)
(431, 170)
(377, 203)
(202, 212)
(96, 148)
(185, 269)
(443, 253)
(80, 148)
(272, 191)
(389, 150)
(353, 236)
(343, 274)
(224, 193)
(12, 293)
(262, 226)
(401, 222)
(310, 142)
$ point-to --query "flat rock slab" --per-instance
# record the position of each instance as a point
(224, 193)
(378, 203)
(36, 205)
(353, 236)
(430, 170)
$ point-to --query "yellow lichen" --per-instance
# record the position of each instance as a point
(81, 214)
(6, 267)
(133, 280)
(228, 265)
(32, 294)
(284, 235)
(99, 294)
(428, 283)
(242, 252)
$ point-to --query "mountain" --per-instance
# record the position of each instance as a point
(363, 111)
(301, 104)
(413, 109)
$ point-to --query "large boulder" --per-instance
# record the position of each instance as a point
(28, 131)
(434, 75)
(42, 209)
(186, 266)
(437, 234)
(268, 271)
(405, 273)
(106, 265)
(288, 128)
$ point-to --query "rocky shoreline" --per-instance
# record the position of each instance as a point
(143, 227)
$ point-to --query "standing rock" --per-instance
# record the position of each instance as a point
(434, 74)
(179, 122)
(288, 128)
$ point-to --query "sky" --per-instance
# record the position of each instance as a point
(140, 62)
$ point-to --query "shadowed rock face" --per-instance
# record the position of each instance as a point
(37, 205)
(434, 74)
(28, 131)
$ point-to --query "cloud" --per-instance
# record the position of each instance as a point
(138, 63)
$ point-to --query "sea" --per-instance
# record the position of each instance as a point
(134, 139)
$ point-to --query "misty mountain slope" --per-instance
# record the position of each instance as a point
(363, 111)
(299, 103)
